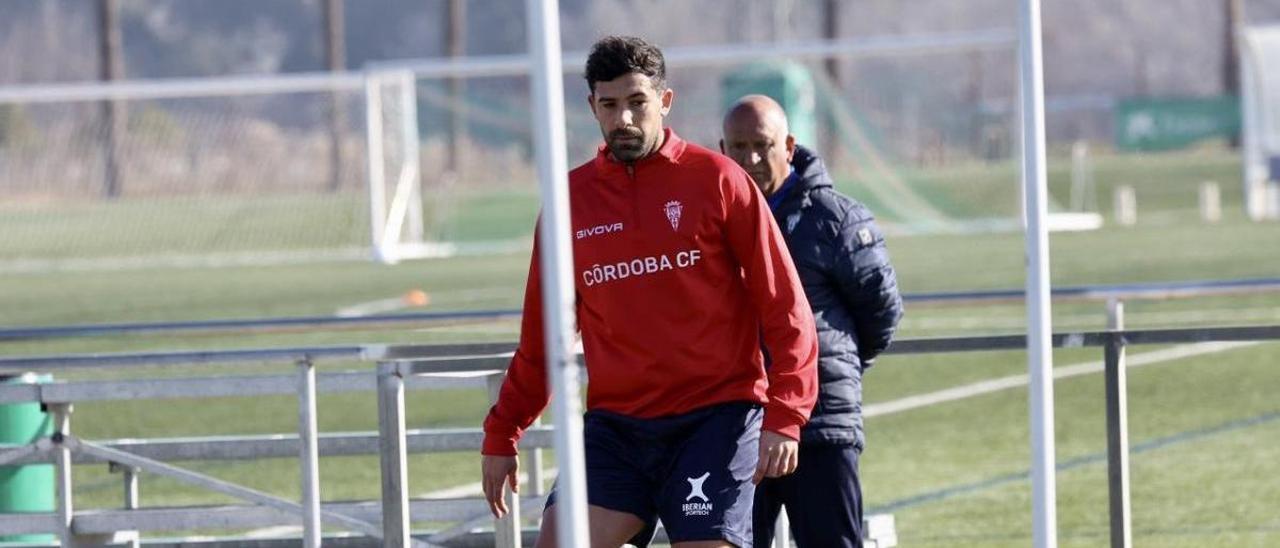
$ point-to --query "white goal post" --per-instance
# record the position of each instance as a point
(395, 168)
(1260, 113)
(184, 169)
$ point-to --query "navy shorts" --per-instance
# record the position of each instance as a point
(693, 471)
(823, 499)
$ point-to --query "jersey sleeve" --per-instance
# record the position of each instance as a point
(524, 394)
(787, 326)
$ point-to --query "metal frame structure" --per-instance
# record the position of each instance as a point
(96, 527)
(1044, 523)
(490, 65)
(398, 368)
(1160, 290)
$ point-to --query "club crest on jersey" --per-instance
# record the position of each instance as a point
(673, 209)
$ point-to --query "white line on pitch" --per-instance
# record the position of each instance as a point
(273, 532)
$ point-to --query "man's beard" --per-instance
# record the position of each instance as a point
(628, 145)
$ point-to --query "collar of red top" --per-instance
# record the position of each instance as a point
(672, 147)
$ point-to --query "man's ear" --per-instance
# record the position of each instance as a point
(591, 102)
(667, 96)
(791, 147)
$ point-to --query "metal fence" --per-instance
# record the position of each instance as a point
(1150, 290)
(396, 368)
(96, 527)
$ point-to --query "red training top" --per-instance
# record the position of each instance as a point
(679, 270)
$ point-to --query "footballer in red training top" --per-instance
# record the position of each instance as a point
(680, 273)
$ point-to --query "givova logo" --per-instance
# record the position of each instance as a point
(598, 230)
(702, 508)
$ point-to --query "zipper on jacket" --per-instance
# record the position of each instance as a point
(635, 198)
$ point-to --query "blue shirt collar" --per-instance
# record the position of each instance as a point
(780, 196)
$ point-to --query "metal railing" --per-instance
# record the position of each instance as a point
(155, 456)
(398, 368)
(1156, 290)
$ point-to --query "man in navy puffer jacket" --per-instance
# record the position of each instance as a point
(844, 267)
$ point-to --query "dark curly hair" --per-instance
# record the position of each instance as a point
(614, 56)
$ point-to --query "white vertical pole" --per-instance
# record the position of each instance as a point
(309, 454)
(534, 466)
(1250, 138)
(374, 162)
(411, 153)
(506, 530)
(62, 462)
(1126, 202)
(1079, 174)
(1210, 202)
(394, 457)
(1117, 429)
(557, 262)
(1039, 325)
(131, 502)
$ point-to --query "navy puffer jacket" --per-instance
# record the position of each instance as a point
(843, 264)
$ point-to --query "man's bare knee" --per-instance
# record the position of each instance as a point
(609, 528)
(547, 533)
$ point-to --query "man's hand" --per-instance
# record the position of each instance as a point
(779, 456)
(497, 470)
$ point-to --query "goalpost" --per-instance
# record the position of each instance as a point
(396, 229)
(215, 171)
(1260, 113)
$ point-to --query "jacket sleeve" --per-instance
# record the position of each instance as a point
(524, 393)
(786, 322)
(867, 282)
